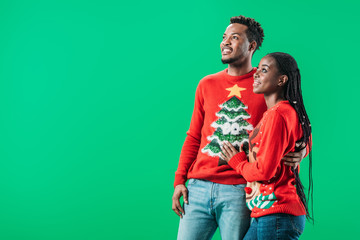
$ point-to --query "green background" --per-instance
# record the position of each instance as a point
(96, 97)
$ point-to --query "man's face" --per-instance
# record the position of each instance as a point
(235, 44)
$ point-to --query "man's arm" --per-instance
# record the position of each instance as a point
(188, 153)
(293, 159)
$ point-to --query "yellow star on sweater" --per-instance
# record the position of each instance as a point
(235, 91)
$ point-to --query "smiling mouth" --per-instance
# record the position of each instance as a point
(226, 51)
(256, 83)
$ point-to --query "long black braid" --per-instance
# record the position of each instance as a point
(287, 66)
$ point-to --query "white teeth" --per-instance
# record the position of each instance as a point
(256, 83)
(226, 50)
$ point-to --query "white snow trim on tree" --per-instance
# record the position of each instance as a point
(232, 128)
(232, 120)
(222, 106)
(235, 143)
(208, 151)
(210, 138)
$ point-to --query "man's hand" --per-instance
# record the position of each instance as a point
(180, 190)
(293, 159)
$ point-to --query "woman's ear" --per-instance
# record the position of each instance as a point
(282, 80)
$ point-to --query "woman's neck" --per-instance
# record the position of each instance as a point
(273, 99)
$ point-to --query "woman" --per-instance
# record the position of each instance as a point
(274, 192)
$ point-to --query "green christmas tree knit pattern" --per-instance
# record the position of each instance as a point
(231, 126)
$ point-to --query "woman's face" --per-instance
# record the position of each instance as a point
(267, 79)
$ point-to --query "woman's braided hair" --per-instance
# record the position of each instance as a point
(287, 65)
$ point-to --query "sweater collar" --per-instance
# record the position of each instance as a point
(238, 78)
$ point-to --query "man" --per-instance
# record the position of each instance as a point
(226, 109)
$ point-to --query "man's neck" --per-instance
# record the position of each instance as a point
(234, 70)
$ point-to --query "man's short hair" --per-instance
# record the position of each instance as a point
(254, 31)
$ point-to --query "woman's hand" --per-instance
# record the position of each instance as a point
(228, 151)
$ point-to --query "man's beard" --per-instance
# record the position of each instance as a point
(230, 60)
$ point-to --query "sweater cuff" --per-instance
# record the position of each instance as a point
(237, 159)
(179, 179)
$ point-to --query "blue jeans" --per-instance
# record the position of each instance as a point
(213, 205)
(276, 226)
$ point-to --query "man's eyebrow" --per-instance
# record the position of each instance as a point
(265, 65)
(233, 34)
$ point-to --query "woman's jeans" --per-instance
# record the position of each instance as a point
(213, 205)
(276, 226)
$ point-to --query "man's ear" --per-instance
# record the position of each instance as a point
(282, 80)
(252, 46)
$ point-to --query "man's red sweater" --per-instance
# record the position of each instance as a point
(274, 190)
(226, 109)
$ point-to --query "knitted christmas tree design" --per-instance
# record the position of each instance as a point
(230, 126)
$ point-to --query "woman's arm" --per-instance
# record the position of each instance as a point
(274, 141)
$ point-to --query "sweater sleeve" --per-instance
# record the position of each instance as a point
(272, 146)
(192, 142)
